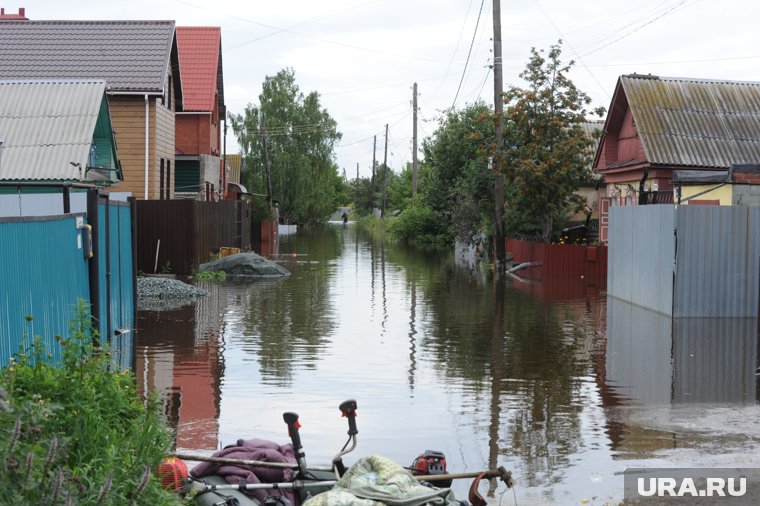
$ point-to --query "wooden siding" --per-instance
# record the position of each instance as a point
(162, 145)
(629, 146)
(128, 118)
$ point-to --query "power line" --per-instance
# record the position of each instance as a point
(662, 15)
(604, 90)
(453, 55)
(472, 42)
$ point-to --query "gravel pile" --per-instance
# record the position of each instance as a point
(165, 293)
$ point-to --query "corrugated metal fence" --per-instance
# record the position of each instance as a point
(561, 259)
(174, 236)
(44, 271)
(690, 261)
(641, 253)
(718, 261)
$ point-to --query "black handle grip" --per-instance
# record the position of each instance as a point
(291, 419)
(348, 409)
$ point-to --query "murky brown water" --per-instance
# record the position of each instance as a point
(546, 377)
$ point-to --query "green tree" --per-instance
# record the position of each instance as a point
(361, 193)
(457, 184)
(546, 149)
(300, 141)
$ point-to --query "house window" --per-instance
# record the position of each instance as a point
(161, 180)
(168, 179)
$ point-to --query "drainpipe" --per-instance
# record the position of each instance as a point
(641, 186)
(147, 144)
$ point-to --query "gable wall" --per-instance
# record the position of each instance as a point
(629, 145)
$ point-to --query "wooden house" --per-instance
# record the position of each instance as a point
(138, 60)
(658, 125)
(201, 171)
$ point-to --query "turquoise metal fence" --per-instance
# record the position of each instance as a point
(121, 284)
(44, 274)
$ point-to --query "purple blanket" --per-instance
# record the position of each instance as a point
(253, 449)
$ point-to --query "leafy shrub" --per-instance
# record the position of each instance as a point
(76, 432)
(418, 224)
(211, 275)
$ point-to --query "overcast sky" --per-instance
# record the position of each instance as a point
(363, 56)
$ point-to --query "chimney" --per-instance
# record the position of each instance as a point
(20, 16)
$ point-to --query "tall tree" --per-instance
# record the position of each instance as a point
(547, 152)
(460, 187)
(300, 140)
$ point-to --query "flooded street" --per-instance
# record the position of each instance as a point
(548, 378)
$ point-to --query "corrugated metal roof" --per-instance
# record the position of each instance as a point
(46, 126)
(200, 63)
(129, 55)
(695, 122)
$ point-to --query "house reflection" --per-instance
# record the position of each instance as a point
(179, 355)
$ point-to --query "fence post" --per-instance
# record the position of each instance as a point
(92, 268)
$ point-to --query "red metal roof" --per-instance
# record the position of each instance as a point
(200, 65)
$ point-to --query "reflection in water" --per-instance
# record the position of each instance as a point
(688, 360)
(658, 367)
(544, 376)
(179, 353)
(412, 331)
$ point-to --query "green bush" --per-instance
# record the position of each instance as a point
(418, 224)
(211, 275)
(75, 431)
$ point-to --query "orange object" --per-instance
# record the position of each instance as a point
(227, 251)
(172, 472)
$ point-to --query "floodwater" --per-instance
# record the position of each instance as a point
(548, 378)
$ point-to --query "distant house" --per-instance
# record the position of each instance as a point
(658, 125)
(589, 189)
(57, 131)
(737, 186)
(201, 171)
(235, 188)
(139, 63)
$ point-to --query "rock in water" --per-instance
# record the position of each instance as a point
(246, 265)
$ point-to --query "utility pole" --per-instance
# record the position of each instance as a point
(415, 162)
(498, 160)
(372, 185)
(357, 172)
(267, 172)
(385, 171)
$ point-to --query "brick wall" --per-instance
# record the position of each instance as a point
(196, 136)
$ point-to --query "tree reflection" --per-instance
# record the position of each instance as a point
(287, 321)
(523, 358)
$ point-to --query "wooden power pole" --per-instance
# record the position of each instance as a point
(267, 171)
(498, 161)
(372, 184)
(415, 162)
(385, 171)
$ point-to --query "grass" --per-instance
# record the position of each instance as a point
(75, 431)
(211, 275)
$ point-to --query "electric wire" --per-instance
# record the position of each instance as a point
(472, 42)
(453, 55)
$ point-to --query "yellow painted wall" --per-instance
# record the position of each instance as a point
(724, 194)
